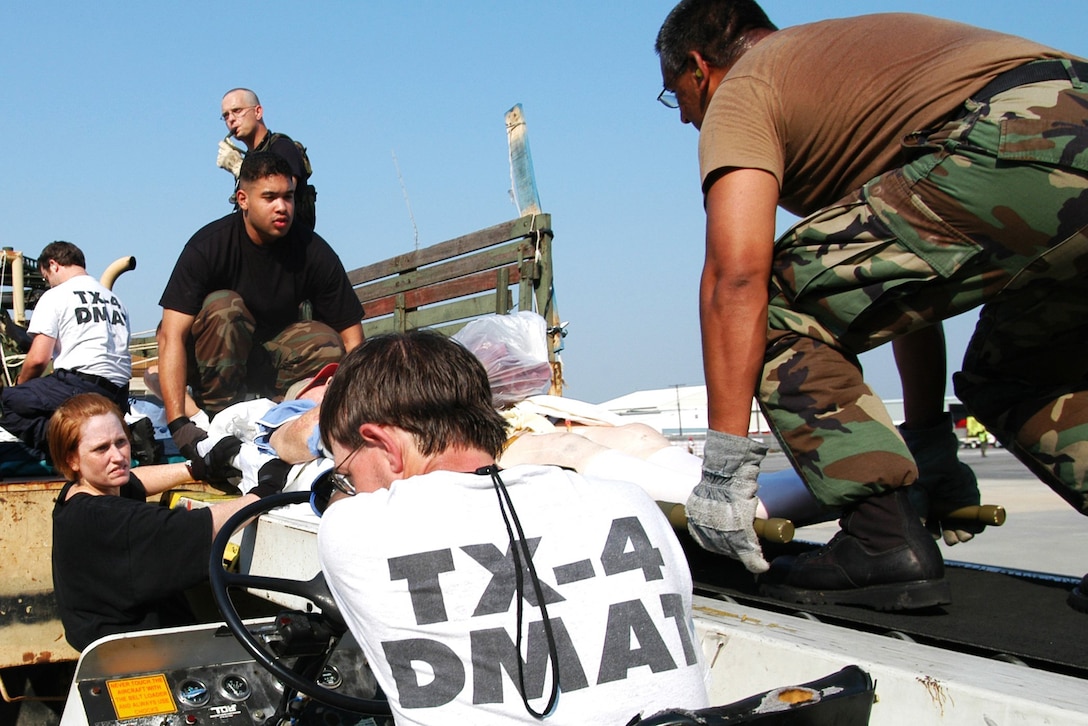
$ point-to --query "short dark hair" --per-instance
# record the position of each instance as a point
(421, 382)
(67, 421)
(714, 28)
(261, 164)
(66, 254)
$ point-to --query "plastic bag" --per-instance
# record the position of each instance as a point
(514, 351)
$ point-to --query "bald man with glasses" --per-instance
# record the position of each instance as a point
(244, 117)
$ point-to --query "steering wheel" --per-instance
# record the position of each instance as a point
(314, 590)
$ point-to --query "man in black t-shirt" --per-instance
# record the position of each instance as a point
(231, 323)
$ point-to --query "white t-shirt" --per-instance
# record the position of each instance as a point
(90, 325)
(423, 574)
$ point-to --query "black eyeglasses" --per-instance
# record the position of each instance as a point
(668, 98)
(330, 482)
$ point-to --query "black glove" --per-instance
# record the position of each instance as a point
(186, 435)
(944, 482)
(215, 467)
(271, 478)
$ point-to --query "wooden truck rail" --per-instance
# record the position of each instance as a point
(496, 270)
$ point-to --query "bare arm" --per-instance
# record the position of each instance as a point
(352, 336)
(151, 380)
(158, 478)
(921, 359)
(37, 358)
(223, 511)
(740, 211)
(290, 440)
(173, 363)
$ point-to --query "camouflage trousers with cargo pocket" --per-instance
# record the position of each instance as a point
(991, 210)
(227, 363)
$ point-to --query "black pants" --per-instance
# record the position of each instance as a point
(28, 406)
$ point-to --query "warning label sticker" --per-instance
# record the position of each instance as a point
(143, 696)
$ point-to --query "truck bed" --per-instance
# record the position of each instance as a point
(995, 613)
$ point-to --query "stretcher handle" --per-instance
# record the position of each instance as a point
(775, 529)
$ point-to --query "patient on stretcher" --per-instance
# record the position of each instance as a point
(281, 439)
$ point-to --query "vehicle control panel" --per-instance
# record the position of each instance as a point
(188, 677)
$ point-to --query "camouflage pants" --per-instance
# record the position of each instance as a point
(227, 363)
(991, 210)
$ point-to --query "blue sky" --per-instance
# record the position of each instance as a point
(110, 116)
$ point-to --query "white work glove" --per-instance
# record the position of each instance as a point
(944, 482)
(229, 157)
(722, 508)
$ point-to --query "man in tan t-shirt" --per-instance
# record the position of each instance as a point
(938, 167)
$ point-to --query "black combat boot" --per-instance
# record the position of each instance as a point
(146, 449)
(882, 559)
(1078, 599)
(944, 483)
